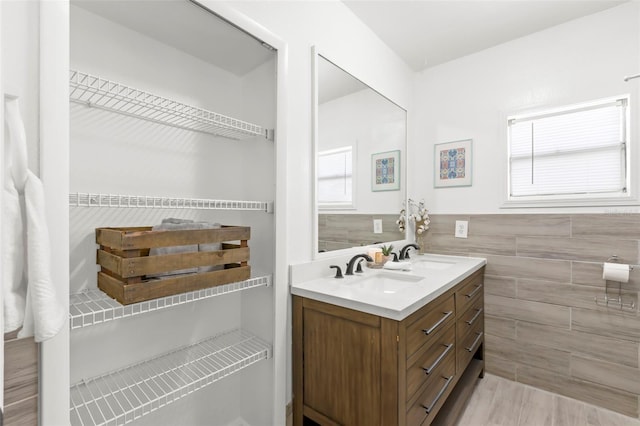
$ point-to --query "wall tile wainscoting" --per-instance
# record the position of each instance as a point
(20, 381)
(341, 231)
(543, 327)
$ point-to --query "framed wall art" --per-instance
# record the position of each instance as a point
(452, 164)
(385, 171)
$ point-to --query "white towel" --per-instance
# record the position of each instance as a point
(13, 229)
(14, 280)
(398, 266)
(44, 314)
(32, 302)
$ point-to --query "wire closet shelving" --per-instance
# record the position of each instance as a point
(87, 199)
(93, 306)
(112, 96)
(122, 396)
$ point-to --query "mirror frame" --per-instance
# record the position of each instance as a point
(315, 57)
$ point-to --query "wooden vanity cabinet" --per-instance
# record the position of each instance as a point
(354, 368)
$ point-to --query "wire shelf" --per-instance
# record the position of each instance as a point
(112, 96)
(125, 395)
(95, 307)
(87, 199)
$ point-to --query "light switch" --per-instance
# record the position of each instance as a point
(377, 226)
(462, 227)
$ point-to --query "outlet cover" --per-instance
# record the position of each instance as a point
(462, 228)
(377, 226)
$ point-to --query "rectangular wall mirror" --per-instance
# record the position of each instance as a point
(360, 140)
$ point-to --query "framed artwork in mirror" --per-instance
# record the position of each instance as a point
(385, 171)
(452, 164)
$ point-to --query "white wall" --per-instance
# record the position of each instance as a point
(34, 58)
(20, 63)
(347, 42)
(581, 60)
(370, 124)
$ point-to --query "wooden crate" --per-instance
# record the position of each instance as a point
(125, 263)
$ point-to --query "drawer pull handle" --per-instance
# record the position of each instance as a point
(437, 361)
(439, 395)
(436, 325)
(475, 342)
(473, 293)
(475, 317)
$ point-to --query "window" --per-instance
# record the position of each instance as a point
(573, 153)
(335, 178)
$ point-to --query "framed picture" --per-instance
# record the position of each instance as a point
(385, 171)
(452, 164)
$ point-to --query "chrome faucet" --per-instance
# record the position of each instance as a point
(353, 260)
(404, 253)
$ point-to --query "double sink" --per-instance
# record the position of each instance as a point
(392, 294)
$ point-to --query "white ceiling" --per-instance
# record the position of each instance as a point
(425, 33)
(188, 28)
(334, 82)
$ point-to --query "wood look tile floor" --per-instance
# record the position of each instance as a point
(501, 402)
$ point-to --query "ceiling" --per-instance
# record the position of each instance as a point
(334, 82)
(425, 33)
(188, 28)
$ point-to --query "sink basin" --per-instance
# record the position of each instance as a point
(386, 283)
(433, 264)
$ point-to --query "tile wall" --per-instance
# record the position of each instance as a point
(543, 326)
(340, 231)
(20, 381)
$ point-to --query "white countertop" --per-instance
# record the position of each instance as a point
(391, 294)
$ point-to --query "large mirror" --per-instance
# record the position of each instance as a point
(360, 146)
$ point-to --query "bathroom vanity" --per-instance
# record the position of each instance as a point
(389, 348)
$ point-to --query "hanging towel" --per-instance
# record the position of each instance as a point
(44, 313)
(30, 299)
(14, 281)
(13, 247)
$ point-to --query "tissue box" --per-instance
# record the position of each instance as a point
(129, 275)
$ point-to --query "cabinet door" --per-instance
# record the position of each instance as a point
(342, 376)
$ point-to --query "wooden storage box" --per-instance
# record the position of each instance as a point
(125, 263)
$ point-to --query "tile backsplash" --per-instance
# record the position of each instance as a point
(20, 381)
(341, 231)
(543, 327)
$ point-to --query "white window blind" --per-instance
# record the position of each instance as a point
(570, 152)
(335, 178)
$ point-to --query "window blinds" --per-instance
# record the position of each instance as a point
(335, 170)
(573, 151)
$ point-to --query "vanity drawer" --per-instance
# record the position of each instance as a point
(425, 406)
(470, 317)
(423, 331)
(470, 289)
(468, 344)
(425, 367)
